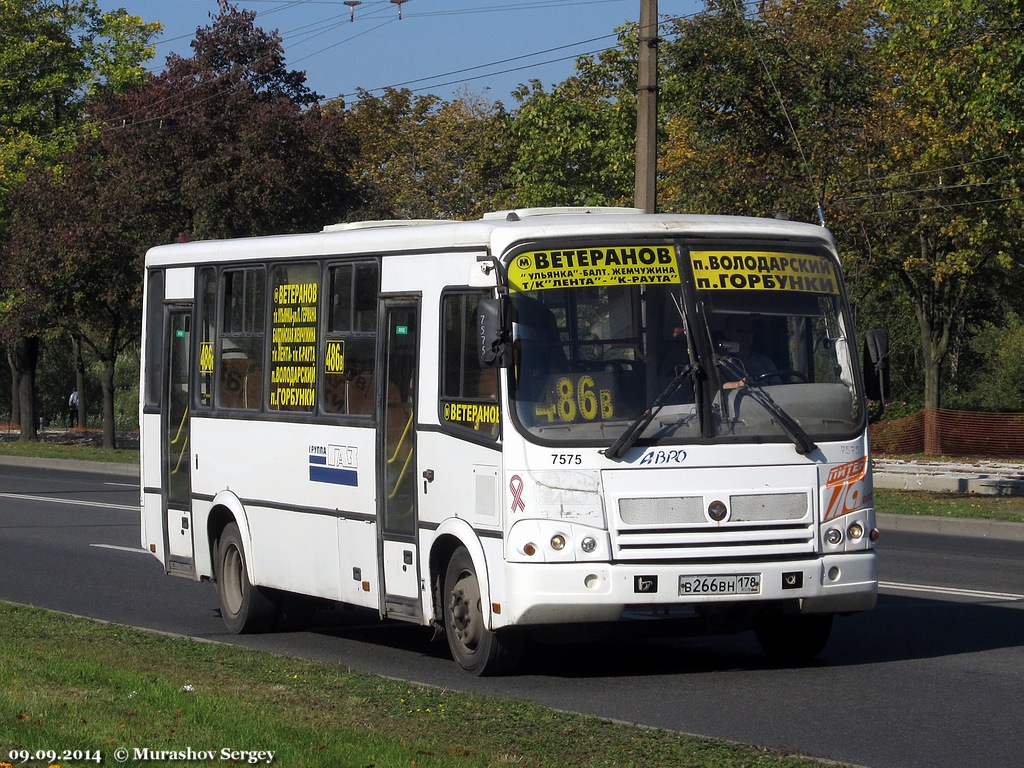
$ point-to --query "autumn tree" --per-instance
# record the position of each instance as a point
(761, 110)
(422, 157)
(935, 200)
(226, 143)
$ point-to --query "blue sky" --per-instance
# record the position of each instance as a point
(447, 47)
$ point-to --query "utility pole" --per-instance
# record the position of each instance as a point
(647, 107)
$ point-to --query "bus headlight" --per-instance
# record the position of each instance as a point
(532, 541)
(834, 536)
(855, 531)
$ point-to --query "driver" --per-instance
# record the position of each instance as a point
(739, 336)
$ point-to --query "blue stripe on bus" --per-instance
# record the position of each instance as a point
(314, 459)
(333, 475)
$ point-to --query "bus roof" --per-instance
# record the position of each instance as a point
(494, 233)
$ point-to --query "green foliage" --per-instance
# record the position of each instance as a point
(420, 157)
(938, 204)
(572, 147)
(218, 145)
(761, 110)
(992, 378)
(575, 144)
(53, 58)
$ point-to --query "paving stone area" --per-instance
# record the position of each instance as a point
(983, 477)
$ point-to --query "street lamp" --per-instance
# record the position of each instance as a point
(352, 8)
(399, 4)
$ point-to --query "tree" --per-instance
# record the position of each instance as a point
(576, 144)
(55, 55)
(938, 201)
(421, 157)
(199, 151)
(72, 240)
(253, 152)
(899, 117)
(761, 111)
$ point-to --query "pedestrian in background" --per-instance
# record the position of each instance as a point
(73, 409)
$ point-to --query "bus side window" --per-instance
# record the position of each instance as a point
(462, 378)
(294, 349)
(351, 340)
(241, 338)
(154, 339)
(207, 328)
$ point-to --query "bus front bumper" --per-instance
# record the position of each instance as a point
(565, 593)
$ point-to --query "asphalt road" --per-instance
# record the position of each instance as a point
(932, 677)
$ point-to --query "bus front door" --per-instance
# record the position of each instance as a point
(176, 459)
(397, 459)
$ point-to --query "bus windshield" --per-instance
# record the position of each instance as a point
(728, 344)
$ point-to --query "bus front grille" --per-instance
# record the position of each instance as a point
(682, 527)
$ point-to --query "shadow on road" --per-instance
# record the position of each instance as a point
(900, 628)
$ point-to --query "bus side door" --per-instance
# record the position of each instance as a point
(175, 449)
(397, 458)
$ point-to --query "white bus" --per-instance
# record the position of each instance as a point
(547, 416)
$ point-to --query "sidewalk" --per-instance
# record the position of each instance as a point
(982, 477)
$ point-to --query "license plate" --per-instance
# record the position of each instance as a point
(732, 584)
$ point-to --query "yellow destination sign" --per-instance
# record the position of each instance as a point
(763, 270)
(334, 360)
(583, 267)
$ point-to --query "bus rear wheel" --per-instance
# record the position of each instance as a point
(792, 639)
(244, 607)
(475, 648)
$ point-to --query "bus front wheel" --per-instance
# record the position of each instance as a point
(244, 607)
(475, 648)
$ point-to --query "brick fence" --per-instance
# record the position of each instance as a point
(953, 433)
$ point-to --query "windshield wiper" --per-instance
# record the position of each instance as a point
(634, 430)
(804, 444)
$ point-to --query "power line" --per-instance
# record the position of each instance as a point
(499, 62)
(941, 206)
(942, 169)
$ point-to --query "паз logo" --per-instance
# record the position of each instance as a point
(645, 584)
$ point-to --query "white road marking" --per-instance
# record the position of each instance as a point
(76, 502)
(120, 549)
(951, 591)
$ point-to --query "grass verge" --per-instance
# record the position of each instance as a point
(75, 684)
(963, 505)
(56, 450)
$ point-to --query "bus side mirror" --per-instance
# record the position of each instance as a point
(876, 365)
(491, 335)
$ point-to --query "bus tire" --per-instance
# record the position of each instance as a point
(792, 639)
(475, 648)
(245, 608)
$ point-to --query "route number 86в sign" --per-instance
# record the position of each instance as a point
(579, 397)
